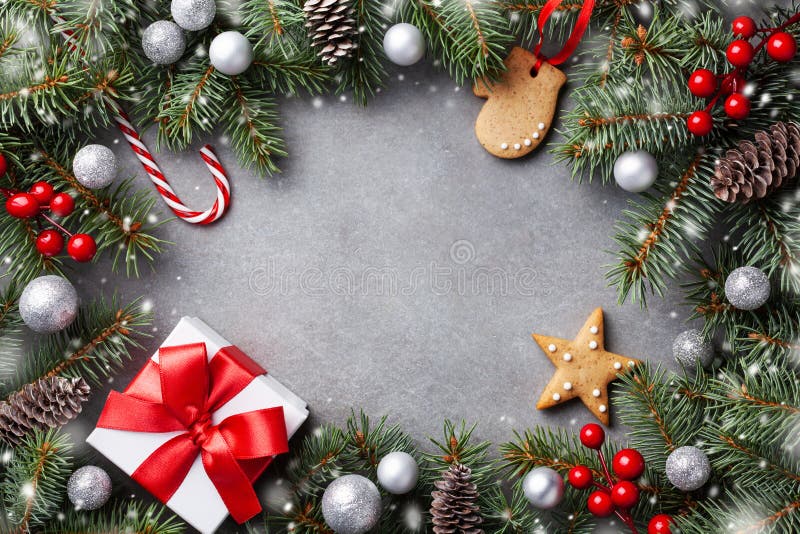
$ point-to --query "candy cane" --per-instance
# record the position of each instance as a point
(147, 160)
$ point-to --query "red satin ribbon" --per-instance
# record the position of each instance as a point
(574, 38)
(179, 394)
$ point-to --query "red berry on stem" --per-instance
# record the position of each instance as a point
(625, 494)
(600, 504)
(659, 524)
(781, 47)
(592, 436)
(580, 477)
(81, 247)
(700, 123)
(740, 53)
(737, 106)
(628, 464)
(3, 165)
(22, 206)
(49, 243)
(43, 193)
(62, 204)
(744, 27)
(703, 83)
(732, 83)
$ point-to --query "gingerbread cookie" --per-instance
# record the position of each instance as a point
(520, 106)
(583, 368)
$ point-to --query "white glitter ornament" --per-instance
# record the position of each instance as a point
(747, 288)
(398, 472)
(193, 15)
(543, 487)
(163, 42)
(230, 53)
(404, 44)
(95, 166)
(89, 488)
(688, 468)
(635, 170)
(351, 504)
(48, 304)
(691, 348)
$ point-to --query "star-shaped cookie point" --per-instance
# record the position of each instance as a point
(584, 368)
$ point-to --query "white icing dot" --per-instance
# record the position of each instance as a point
(536, 135)
(617, 366)
(504, 146)
(567, 357)
(568, 385)
(593, 344)
(556, 397)
(593, 329)
(517, 146)
(541, 126)
(602, 408)
(527, 142)
(596, 392)
(631, 364)
(551, 347)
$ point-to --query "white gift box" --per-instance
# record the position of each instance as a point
(197, 500)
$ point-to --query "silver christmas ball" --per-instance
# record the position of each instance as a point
(543, 487)
(691, 348)
(163, 42)
(635, 170)
(351, 504)
(48, 304)
(398, 472)
(230, 53)
(193, 15)
(89, 488)
(747, 288)
(688, 468)
(404, 44)
(95, 166)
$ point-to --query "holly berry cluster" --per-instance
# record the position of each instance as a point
(41, 197)
(617, 495)
(781, 47)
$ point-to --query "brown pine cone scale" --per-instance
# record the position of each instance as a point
(331, 27)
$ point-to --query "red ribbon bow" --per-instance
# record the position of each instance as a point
(180, 393)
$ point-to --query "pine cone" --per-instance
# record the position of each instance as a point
(454, 508)
(754, 170)
(331, 27)
(47, 403)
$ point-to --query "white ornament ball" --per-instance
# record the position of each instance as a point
(691, 347)
(398, 472)
(230, 53)
(193, 15)
(163, 42)
(95, 166)
(747, 288)
(351, 504)
(688, 468)
(404, 44)
(635, 170)
(48, 304)
(543, 487)
(89, 488)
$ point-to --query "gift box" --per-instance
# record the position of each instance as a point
(199, 423)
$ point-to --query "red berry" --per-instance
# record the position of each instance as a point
(62, 204)
(600, 504)
(700, 123)
(49, 243)
(3, 165)
(580, 477)
(733, 83)
(81, 247)
(625, 494)
(703, 83)
(628, 464)
(592, 436)
(659, 524)
(740, 53)
(43, 192)
(744, 27)
(737, 106)
(22, 206)
(781, 47)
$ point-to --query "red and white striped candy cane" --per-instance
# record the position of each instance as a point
(223, 200)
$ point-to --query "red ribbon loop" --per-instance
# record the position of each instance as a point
(180, 393)
(574, 38)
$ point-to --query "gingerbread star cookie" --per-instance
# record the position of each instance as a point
(583, 368)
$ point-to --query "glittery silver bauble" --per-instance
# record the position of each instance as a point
(635, 170)
(688, 468)
(404, 44)
(351, 504)
(163, 42)
(48, 304)
(89, 488)
(543, 487)
(398, 472)
(747, 288)
(691, 348)
(95, 166)
(230, 53)
(193, 15)
(642, 12)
